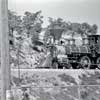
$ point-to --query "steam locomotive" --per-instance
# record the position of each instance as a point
(86, 56)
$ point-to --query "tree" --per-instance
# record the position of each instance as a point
(56, 28)
(27, 27)
(73, 28)
(94, 29)
(32, 23)
(85, 29)
(14, 24)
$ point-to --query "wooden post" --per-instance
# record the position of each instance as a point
(4, 37)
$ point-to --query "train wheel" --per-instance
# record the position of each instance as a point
(68, 66)
(98, 62)
(85, 62)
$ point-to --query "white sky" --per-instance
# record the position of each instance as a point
(69, 10)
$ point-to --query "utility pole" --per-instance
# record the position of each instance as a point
(4, 37)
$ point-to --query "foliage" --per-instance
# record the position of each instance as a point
(74, 28)
(56, 28)
(94, 29)
(32, 23)
(82, 29)
(23, 29)
(14, 22)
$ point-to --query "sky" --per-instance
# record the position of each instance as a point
(70, 10)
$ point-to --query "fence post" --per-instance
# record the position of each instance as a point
(4, 37)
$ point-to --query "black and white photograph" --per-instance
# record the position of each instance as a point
(54, 34)
(49, 50)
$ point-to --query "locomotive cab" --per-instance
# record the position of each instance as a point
(94, 39)
(94, 43)
(94, 51)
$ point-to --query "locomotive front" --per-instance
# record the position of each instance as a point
(62, 58)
